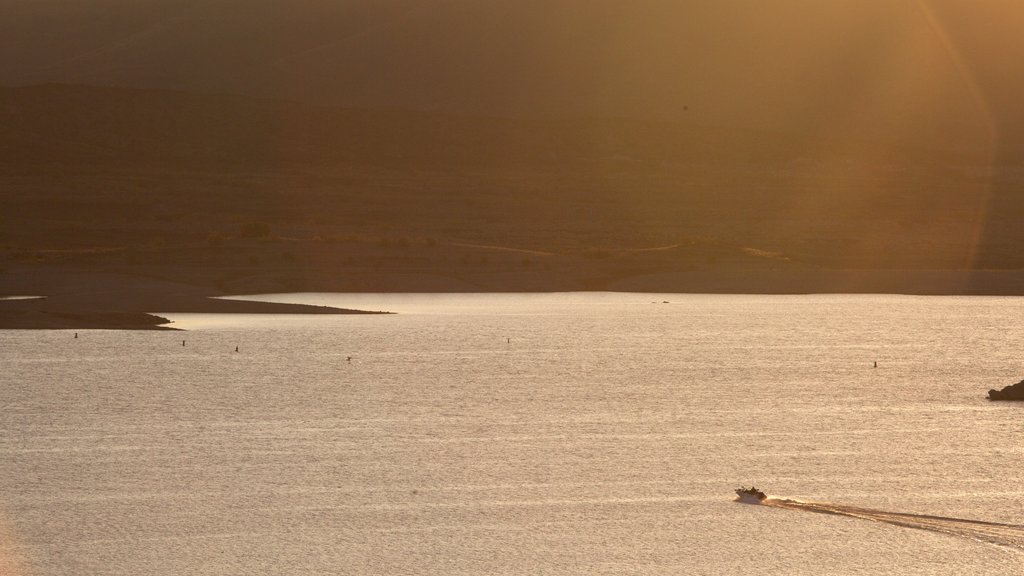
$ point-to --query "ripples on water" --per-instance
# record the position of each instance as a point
(1010, 535)
(520, 434)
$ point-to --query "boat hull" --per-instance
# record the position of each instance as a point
(750, 495)
(749, 498)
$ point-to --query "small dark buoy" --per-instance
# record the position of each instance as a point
(182, 342)
(236, 348)
(349, 359)
(76, 334)
(876, 364)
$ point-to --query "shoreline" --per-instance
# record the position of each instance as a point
(99, 300)
(85, 299)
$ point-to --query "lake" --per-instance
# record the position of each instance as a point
(521, 434)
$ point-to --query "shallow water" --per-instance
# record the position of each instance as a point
(521, 434)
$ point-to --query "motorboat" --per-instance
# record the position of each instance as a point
(750, 495)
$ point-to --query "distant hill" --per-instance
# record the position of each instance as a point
(538, 144)
(59, 124)
(140, 166)
(913, 70)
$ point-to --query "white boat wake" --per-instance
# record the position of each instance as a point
(1009, 535)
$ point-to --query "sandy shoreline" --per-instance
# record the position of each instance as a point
(83, 299)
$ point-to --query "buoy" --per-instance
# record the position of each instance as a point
(182, 342)
(76, 334)
(876, 364)
(236, 348)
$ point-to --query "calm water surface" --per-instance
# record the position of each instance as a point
(521, 434)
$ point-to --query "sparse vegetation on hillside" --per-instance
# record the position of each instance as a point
(465, 211)
(255, 230)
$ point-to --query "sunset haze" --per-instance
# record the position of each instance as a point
(666, 142)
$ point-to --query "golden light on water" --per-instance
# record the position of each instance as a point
(10, 555)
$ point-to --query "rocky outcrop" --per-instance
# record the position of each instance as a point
(1012, 392)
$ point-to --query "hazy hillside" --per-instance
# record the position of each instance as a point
(628, 138)
(861, 66)
(65, 124)
(113, 167)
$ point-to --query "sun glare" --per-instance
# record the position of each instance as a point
(910, 86)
